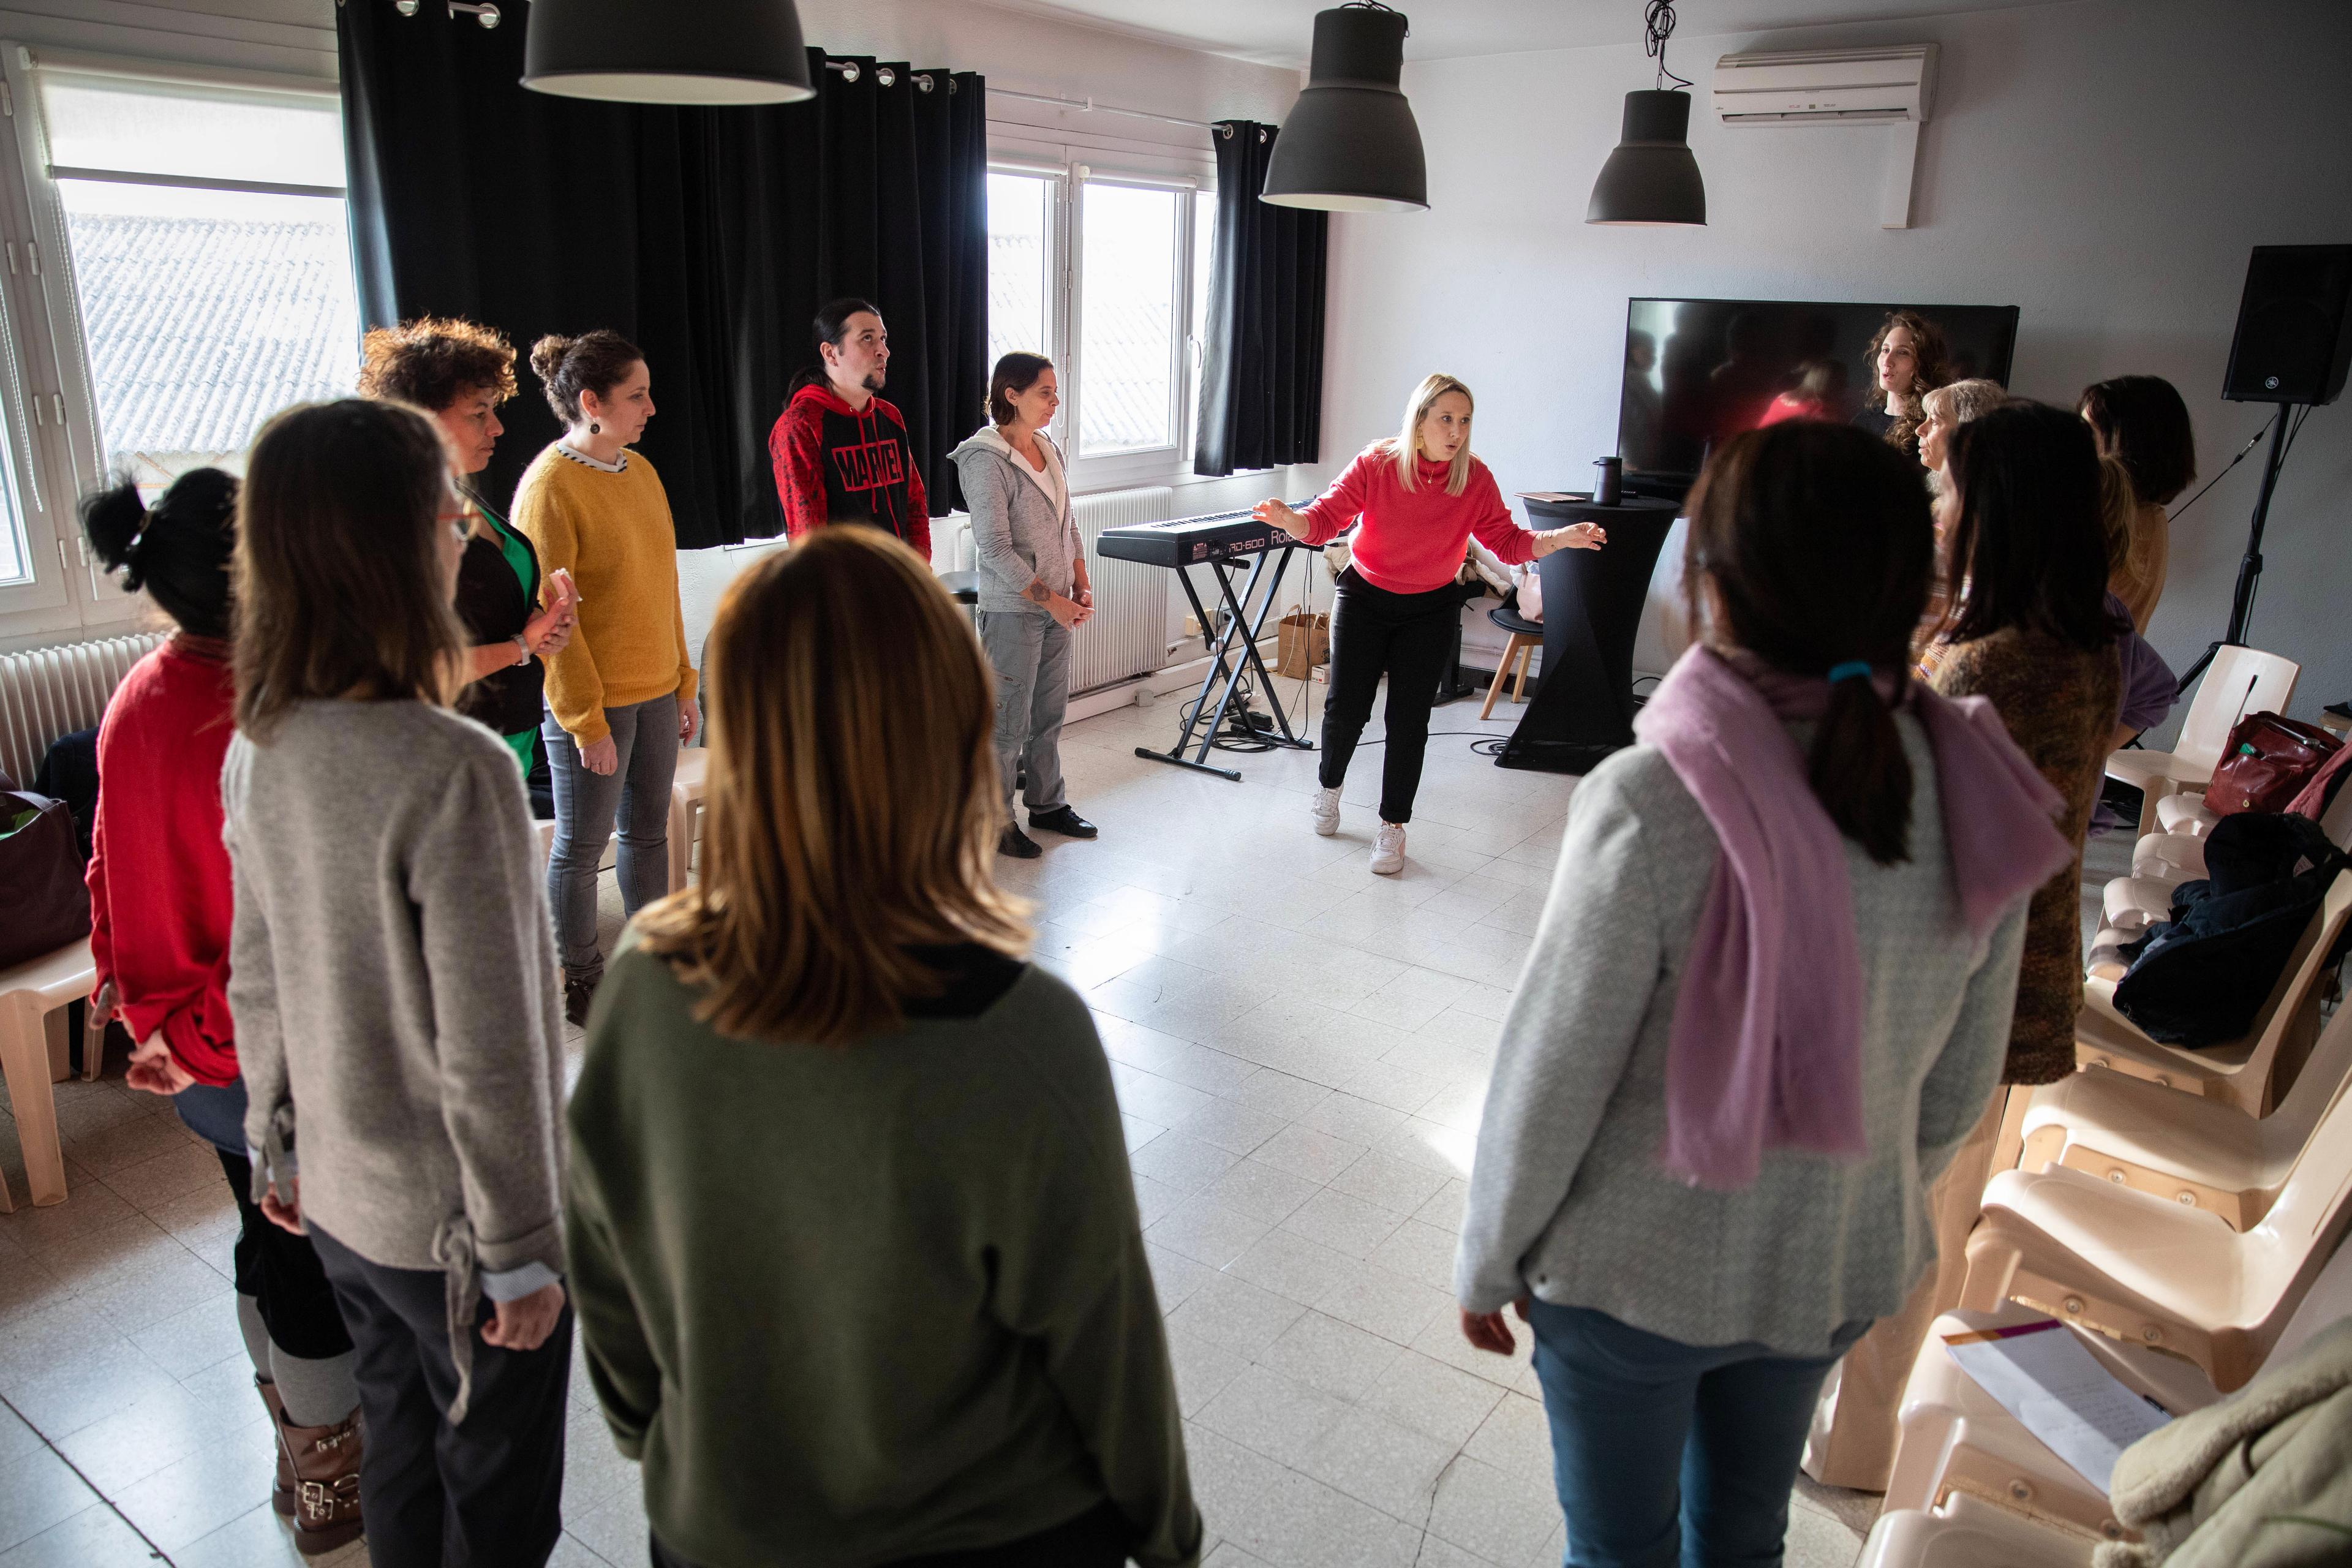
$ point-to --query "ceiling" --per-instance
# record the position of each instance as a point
(1276, 31)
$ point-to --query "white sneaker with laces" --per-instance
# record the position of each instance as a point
(1326, 811)
(1388, 849)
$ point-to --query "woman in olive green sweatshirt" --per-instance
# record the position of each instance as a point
(852, 1234)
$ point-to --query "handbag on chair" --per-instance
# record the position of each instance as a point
(40, 877)
(2266, 762)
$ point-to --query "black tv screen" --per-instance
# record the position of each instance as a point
(1698, 371)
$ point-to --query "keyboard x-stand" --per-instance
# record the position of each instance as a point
(1218, 543)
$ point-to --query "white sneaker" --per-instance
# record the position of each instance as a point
(1388, 849)
(1326, 811)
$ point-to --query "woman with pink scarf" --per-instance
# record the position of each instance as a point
(1769, 999)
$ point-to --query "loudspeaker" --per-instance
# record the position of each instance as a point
(2292, 345)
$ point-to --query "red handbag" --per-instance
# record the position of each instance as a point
(2266, 763)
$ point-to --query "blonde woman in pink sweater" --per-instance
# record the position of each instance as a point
(1416, 500)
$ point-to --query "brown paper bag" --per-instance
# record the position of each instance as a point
(1304, 642)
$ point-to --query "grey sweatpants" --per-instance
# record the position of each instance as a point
(1031, 656)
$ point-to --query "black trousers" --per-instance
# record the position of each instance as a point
(281, 1272)
(1096, 1539)
(486, 1494)
(1407, 637)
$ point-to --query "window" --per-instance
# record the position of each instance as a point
(177, 268)
(1127, 323)
(1019, 264)
(1107, 271)
(211, 258)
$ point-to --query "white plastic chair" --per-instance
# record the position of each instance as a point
(2181, 1147)
(2186, 813)
(2240, 681)
(28, 994)
(685, 812)
(1968, 1533)
(2153, 1272)
(2238, 1073)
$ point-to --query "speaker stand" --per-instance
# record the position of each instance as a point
(2249, 566)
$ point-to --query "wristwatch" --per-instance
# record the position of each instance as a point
(522, 649)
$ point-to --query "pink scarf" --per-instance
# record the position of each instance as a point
(1765, 1051)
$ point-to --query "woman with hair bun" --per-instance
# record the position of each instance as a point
(1908, 360)
(161, 908)
(459, 372)
(1699, 1189)
(620, 695)
(1034, 589)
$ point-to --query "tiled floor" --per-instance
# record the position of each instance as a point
(1301, 1050)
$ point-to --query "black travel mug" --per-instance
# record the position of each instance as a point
(1608, 489)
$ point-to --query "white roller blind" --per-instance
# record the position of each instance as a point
(125, 124)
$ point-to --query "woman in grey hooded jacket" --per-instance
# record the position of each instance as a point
(1034, 589)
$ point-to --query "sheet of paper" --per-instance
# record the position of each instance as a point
(1556, 495)
(2042, 1374)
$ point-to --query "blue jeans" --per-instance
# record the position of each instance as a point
(1667, 1454)
(635, 796)
(214, 1113)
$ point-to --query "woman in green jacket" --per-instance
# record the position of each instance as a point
(853, 1237)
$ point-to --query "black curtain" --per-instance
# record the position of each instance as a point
(1262, 367)
(708, 236)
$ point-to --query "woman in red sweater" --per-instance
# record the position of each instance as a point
(1417, 498)
(160, 903)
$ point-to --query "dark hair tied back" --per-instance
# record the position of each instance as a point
(178, 551)
(594, 362)
(1016, 372)
(1817, 541)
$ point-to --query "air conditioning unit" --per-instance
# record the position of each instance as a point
(1826, 87)
(1893, 86)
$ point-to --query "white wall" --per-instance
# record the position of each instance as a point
(2105, 166)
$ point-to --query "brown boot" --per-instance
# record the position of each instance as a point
(325, 1461)
(281, 1494)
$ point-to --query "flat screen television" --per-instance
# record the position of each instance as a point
(1698, 371)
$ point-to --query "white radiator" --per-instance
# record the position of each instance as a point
(1128, 634)
(52, 691)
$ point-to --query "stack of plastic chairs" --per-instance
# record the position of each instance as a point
(2181, 1237)
(1973, 1489)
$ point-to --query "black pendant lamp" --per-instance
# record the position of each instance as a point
(1350, 143)
(685, 52)
(1652, 177)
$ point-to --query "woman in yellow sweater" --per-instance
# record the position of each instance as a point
(620, 697)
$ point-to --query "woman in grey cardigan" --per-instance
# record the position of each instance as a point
(1033, 590)
(1769, 997)
(392, 972)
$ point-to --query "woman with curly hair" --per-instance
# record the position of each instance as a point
(459, 372)
(1908, 360)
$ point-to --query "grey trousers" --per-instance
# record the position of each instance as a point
(636, 797)
(1031, 656)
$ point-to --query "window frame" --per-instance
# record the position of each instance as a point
(1072, 161)
(44, 359)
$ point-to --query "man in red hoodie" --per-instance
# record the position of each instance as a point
(841, 453)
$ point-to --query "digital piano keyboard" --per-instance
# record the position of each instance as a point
(1191, 541)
